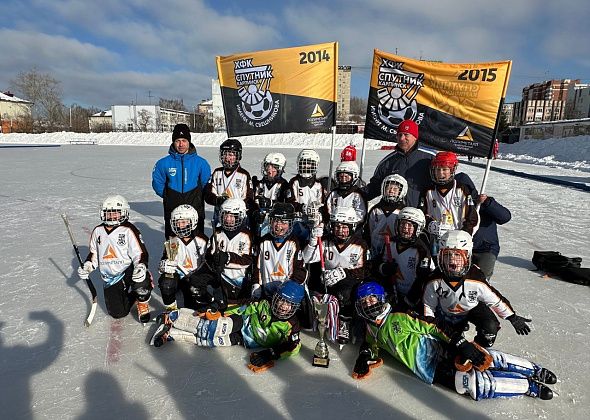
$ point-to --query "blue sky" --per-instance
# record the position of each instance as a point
(116, 51)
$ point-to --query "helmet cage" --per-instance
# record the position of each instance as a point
(279, 303)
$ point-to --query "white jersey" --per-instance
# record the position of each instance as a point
(113, 252)
(453, 210)
(191, 254)
(235, 185)
(353, 199)
(239, 248)
(304, 195)
(352, 256)
(408, 260)
(274, 193)
(455, 302)
(380, 223)
(279, 262)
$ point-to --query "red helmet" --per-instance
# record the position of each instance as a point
(443, 160)
(348, 154)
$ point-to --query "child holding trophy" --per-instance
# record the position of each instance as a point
(183, 264)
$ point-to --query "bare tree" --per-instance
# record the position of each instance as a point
(176, 104)
(46, 94)
(358, 106)
(144, 118)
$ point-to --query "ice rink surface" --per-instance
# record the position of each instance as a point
(54, 368)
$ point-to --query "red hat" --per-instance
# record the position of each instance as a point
(348, 154)
(408, 126)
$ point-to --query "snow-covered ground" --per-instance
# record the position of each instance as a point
(54, 367)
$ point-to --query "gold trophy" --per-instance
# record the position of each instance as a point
(171, 247)
(321, 352)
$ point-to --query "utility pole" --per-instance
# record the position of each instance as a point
(150, 96)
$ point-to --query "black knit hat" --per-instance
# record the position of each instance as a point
(181, 131)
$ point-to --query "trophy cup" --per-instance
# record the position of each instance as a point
(321, 353)
(171, 247)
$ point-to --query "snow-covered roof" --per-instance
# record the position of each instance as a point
(107, 113)
(12, 98)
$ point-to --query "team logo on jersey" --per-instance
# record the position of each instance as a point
(397, 90)
(109, 254)
(238, 184)
(396, 327)
(457, 201)
(354, 258)
(187, 263)
(289, 254)
(172, 171)
(121, 240)
(472, 296)
(241, 247)
(257, 107)
(279, 271)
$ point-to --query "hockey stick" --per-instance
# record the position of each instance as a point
(90, 316)
(387, 240)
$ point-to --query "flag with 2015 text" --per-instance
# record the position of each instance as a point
(280, 91)
(456, 106)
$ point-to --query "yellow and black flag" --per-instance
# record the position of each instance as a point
(280, 91)
(455, 105)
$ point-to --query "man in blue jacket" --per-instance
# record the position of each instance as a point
(180, 177)
(406, 160)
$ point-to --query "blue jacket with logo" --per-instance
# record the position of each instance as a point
(180, 179)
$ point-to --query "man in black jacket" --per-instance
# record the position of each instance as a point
(406, 160)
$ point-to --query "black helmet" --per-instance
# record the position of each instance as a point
(280, 214)
(230, 145)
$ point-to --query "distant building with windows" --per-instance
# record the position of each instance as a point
(12, 111)
(343, 95)
(578, 101)
(139, 118)
(545, 101)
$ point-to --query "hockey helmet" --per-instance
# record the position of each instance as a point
(394, 188)
(280, 214)
(308, 161)
(443, 160)
(454, 255)
(114, 210)
(370, 300)
(232, 207)
(287, 299)
(349, 168)
(183, 220)
(343, 222)
(416, 218)
(275, 159)
(231, 147)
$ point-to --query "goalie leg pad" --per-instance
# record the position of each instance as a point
(222, 331)
(511, 363)
(184, 320)
(491, 384)
(181, 335)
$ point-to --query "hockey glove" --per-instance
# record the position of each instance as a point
(364, 364)
(463, 365)
(168, 266)
(220, 260)
(388, 269)
(331, 277)
(139, 273)
(519, 324)
(316, 233)
(468, 351)
(219, 200)
(262, 360)
(259, 217)
(85, 270)
(263, 202)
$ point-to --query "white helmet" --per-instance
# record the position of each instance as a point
(454, 255)
(237, 208)
(391, 196)
(183, 220)
(308, 161)
(114, 210)
(347, 167)
(416, 217)
(346, 216)
(276, 159)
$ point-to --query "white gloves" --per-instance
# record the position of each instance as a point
(316, 233)
(331, 277)
(85, 270)
(256, 291)
(168, 266)
(139, 273)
